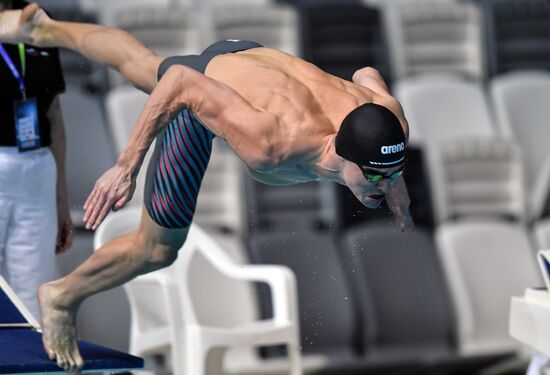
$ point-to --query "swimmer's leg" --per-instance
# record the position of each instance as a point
(149, 248)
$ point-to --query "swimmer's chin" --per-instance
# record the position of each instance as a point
(371, 202)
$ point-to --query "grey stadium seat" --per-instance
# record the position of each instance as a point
(434, 37)
(341, 37)
(327, 302)
(486, 263)
(404, 300)
(307, 205)
(274, 26)
(521, 105)
(478, 177)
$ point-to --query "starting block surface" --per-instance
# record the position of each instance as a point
(21, 350)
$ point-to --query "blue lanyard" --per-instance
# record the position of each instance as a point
(13, 69)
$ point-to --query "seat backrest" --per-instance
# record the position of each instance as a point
(521, 104)
(518, 35)
(442, 108)
(519, 100)
(274, 26)
(433, 37)
(403, 293)
(106, 9)
(327, 305)
(123, 105)
(208, 4)
(478, 176)
(307, 205)
(167, 30)
(204, 289)
(486, 263)
(341, 37)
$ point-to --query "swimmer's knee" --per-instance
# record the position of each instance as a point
(162, 256)
(161, 253)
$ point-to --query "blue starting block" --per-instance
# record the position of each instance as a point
(21, 350)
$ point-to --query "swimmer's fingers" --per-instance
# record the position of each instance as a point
(88, 200)
(95, 208)
(405, 220)
(105, 208)
(91, 202)
(114, 188)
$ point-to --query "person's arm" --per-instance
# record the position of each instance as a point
(218, 107)
(58, 148)
(113, 47)
(372, 79)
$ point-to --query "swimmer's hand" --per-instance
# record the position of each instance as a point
(29, 26)
(112, 190)
(398, 201)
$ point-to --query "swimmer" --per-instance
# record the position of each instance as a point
(286, 119)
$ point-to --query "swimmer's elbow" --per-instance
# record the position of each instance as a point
(361, 73)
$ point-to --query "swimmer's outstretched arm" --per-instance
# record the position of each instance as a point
(113, 47)
(221, 109)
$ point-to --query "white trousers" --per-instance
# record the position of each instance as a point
(28, 221)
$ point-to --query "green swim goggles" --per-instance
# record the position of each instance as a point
(377, 177)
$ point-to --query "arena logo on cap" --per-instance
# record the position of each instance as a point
(392, 149)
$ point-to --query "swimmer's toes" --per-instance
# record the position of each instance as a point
(49, 351)
(75, 362)
(61, 361)
(79, 364)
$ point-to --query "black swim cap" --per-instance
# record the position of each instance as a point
(372, 136)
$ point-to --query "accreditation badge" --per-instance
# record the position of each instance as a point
(26, 124)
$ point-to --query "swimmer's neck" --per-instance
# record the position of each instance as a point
(329, 166)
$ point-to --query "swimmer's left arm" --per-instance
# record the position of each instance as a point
(398, 201)
(372, 79)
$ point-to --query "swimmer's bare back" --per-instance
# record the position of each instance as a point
(309, 102)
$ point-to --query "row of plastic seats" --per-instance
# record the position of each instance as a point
(452, 36)
(183, 30)
(351, 314)
(426, 36)
(422, 36)
(486, 260)
(389, 285)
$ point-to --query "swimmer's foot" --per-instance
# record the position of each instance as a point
(59, 329)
